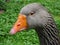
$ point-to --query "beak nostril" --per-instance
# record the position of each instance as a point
(18, 25)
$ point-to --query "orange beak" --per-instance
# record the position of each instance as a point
(20, 24)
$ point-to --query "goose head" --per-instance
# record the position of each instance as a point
(30, 16)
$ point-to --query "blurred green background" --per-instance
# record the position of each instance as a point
(9, 16)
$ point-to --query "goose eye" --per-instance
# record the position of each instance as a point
(31, 13)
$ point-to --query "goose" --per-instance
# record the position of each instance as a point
(36, 16)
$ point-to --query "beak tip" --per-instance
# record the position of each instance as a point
(12, 32)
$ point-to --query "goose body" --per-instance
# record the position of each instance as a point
(36, 16)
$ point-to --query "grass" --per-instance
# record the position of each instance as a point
(57, 20)
(8, 18)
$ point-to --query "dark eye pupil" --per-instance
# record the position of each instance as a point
(31, 13)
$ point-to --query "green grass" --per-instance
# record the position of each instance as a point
(57, 20)
(8, 18)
